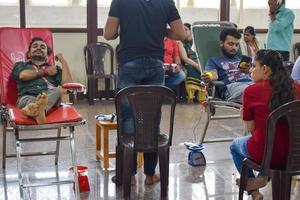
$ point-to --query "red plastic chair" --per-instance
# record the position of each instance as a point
(14, 44)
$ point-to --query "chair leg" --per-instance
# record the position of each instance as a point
(208, 116)
(57, 146)
(74, 163)
(4, 145)
(275, 185)
(127, 171)
(286, 186)
(20, 178)
(243, 181)
(91, 90)
(119, 166)
(107, 88)
(163, 154)
(281, 186)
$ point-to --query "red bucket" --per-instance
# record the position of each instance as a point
(83, 180)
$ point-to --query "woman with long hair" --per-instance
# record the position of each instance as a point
(273, 87)
(250, 45)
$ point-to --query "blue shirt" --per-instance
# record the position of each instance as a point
(296, 70)
(227, 69)
(280, 31)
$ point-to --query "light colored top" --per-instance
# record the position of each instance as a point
(280, 31)
(296, 70)
(244, 50)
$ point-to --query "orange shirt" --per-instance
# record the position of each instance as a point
(171, 50)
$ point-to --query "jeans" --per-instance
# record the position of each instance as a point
(54, 96)
(239, 152)
(141, 71)
(173, 79)
(235, 91)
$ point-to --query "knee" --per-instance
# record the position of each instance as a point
(233, 146)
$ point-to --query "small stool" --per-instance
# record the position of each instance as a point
(107, 125)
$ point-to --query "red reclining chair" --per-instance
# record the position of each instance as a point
(14, 44)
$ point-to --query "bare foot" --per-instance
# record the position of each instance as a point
(255, 183)
(190, 101)
(256, 195)
(150, 180)
(133, 181)
(31, 110)
(41, 101)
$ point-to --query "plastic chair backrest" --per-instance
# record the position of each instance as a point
(97, 53)
(146, 103)
(291, 112)
(296, 50)
(206, 36)
(14, 43)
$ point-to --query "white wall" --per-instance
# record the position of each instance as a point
(72, 44)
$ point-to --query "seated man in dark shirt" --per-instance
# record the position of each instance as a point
(38, 81)
(226, 67)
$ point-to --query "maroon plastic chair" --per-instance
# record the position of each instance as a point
(146, 103)
(280, 176)
(296, 50)
(95, 69)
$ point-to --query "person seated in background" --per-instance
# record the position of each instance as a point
(272, 88)
(296, 70)
(173, 71)
(189, 59)
(250, 45)
(226, 67)
(38, 81)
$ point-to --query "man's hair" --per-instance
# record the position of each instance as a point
(229, 31)
(49, 50)
(188, 25)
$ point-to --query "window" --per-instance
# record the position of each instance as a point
(249, 12)
(9, 13)
(195, 10)
(255, 12)
(103, 9)
(49, 3)
(293, 4)
(56, 13)
(9, 2)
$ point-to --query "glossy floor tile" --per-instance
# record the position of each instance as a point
(216, 181)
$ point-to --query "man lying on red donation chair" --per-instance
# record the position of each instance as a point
(38, 82)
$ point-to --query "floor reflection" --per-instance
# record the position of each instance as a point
(216, 181)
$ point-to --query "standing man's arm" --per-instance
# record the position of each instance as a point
(111, 28)
(176, 31)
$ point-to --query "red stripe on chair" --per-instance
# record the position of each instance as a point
(62, 114)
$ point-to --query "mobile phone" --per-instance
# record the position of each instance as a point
(245, 60)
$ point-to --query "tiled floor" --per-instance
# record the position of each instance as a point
(215, 181)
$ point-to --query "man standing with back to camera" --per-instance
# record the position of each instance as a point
(142, 25)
